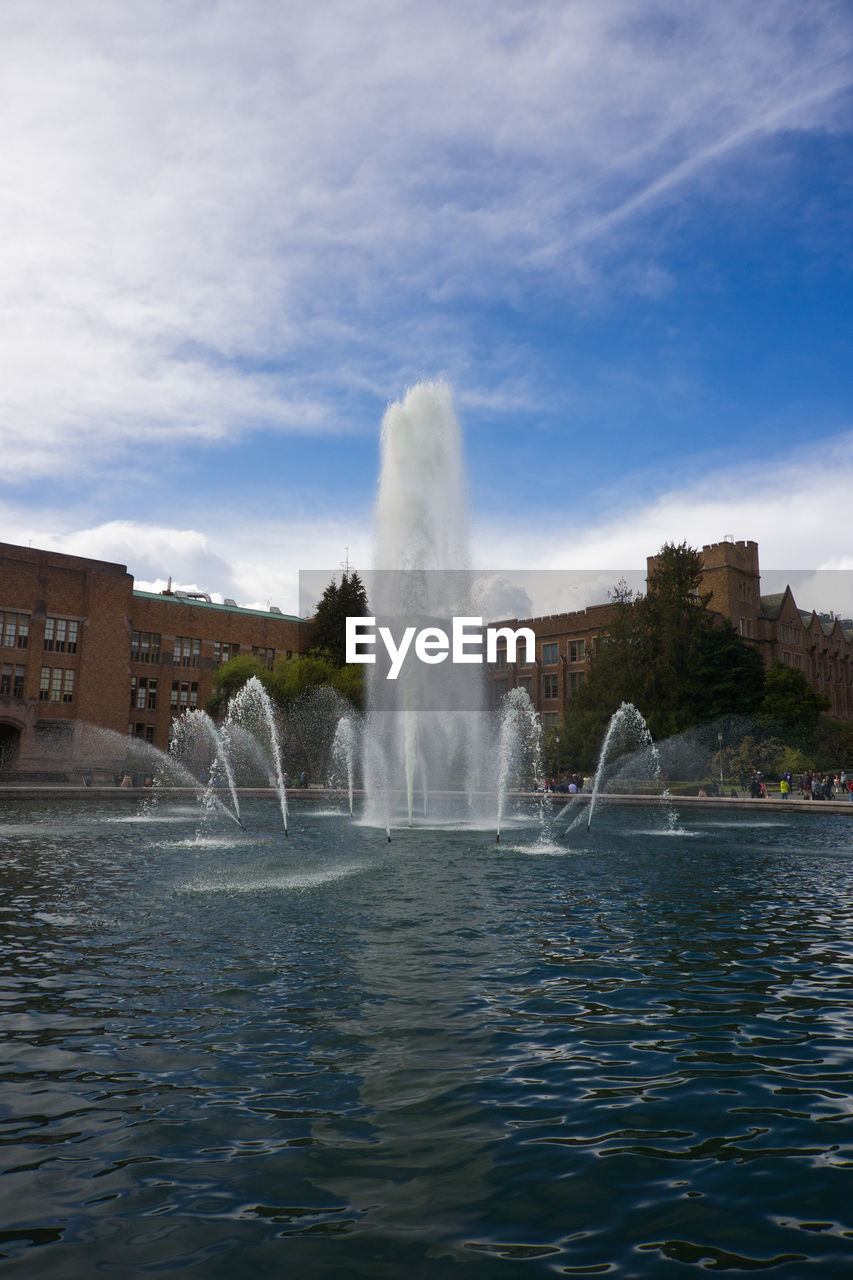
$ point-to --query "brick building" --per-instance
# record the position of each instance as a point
(820, 645)
(79, 647)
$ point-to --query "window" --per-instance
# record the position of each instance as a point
(143, 731)
(6, 676)
(145, 646)
(60, 635)
(576, 651)
(143, 693)
(500, 659)
(184, 695)
(14, 630)
(550, 654)
(56, 684)
(744, 591)
(550, 719)
(187, 652)
(265, 656)
(745, 628)
(526, 683)
(576, 679)
(549, 686)
(500, 687)
(224, 651)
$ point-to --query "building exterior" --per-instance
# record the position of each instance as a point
(82, 651)
(87, 661)
(819, 645)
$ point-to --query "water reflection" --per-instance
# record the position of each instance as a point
(339, 1057)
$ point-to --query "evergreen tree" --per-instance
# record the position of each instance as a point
(789, 700)
(338, 602)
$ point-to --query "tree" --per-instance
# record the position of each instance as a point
(292, 679)
(730, 677)
(229, 679)
(789, 700)
(338, 602)
(666, 653)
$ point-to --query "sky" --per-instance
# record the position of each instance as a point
(233, 233)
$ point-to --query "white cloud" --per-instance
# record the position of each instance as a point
(795, 508)
(256, 563)
(212, 211)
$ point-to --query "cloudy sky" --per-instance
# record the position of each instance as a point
(234, 232)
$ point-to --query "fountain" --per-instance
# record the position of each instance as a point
(251, 708)
(343, 755)
(429, 727)
(191, 733)
(519, 746)
(626, 722)
(321, 1059)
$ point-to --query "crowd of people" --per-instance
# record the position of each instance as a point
(827, 786)
(814, 786)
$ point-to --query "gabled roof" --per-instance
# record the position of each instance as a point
(771, 606)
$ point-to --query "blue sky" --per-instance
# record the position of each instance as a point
(234, 232)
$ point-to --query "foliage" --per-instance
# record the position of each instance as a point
(729, 675)
(289, 681)
(833, 741)
(229, 679)
(756, 752)
(292, 680)
(668, 655)
(789, 700)
(338, 602)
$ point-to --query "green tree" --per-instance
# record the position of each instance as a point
(834, 743)
(666, 653)
(338, 602)
(229, 679)
(729, 675)
(789, 700)
(292, 680)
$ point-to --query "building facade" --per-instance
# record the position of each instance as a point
(820, 645)
(86, 660)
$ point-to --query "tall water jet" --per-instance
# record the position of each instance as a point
(429, 722)
(251, 708)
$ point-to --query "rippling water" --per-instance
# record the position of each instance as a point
(227, 1053)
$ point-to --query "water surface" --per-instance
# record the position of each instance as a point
(224, 1052)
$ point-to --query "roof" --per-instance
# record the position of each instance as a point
(771, 606)
(217, 608)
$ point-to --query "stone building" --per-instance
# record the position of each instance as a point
(820, 645)
(86, 660)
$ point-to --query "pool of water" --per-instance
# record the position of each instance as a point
(626, 1053)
